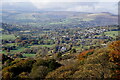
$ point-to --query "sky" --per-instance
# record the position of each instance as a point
(74, 5)
(61, 0)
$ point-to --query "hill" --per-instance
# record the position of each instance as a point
(58, 19)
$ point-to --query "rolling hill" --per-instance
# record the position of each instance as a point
(59, 19)
(28, 14)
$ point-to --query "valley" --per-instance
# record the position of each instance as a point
(59, 40)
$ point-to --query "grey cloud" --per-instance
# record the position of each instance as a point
(80, 6)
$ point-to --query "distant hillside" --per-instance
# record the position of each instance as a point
(60, 19)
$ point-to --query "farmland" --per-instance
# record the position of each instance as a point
(112, 33)
(8, 37)
(29, 43)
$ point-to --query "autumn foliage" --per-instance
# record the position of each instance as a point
(100, 63)
(84, 54)
(114, 48)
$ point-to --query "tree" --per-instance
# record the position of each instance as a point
(39, 72)
(51, 64)
(15, 69)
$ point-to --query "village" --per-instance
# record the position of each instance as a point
(30, 42)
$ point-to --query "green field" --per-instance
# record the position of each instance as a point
(29, 55)
(22, 49)
(8, 37)
(1, 29)
(18, 50)
(42, 46)
(77, 48)
(10, 44)
(112, 33)
(14, 51)
(3, 52)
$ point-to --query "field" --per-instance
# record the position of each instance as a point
(29, 55)
(10, 44)
(20, 49)
(8, 37)
(14, 51)
(79, 48)
(41, 46)
(112, 33)
(1, 29)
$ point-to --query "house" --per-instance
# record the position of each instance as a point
(63, 49)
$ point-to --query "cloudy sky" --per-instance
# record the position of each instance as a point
(74, 5)
(61, 0)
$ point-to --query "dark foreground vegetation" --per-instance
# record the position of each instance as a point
(98, 63)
